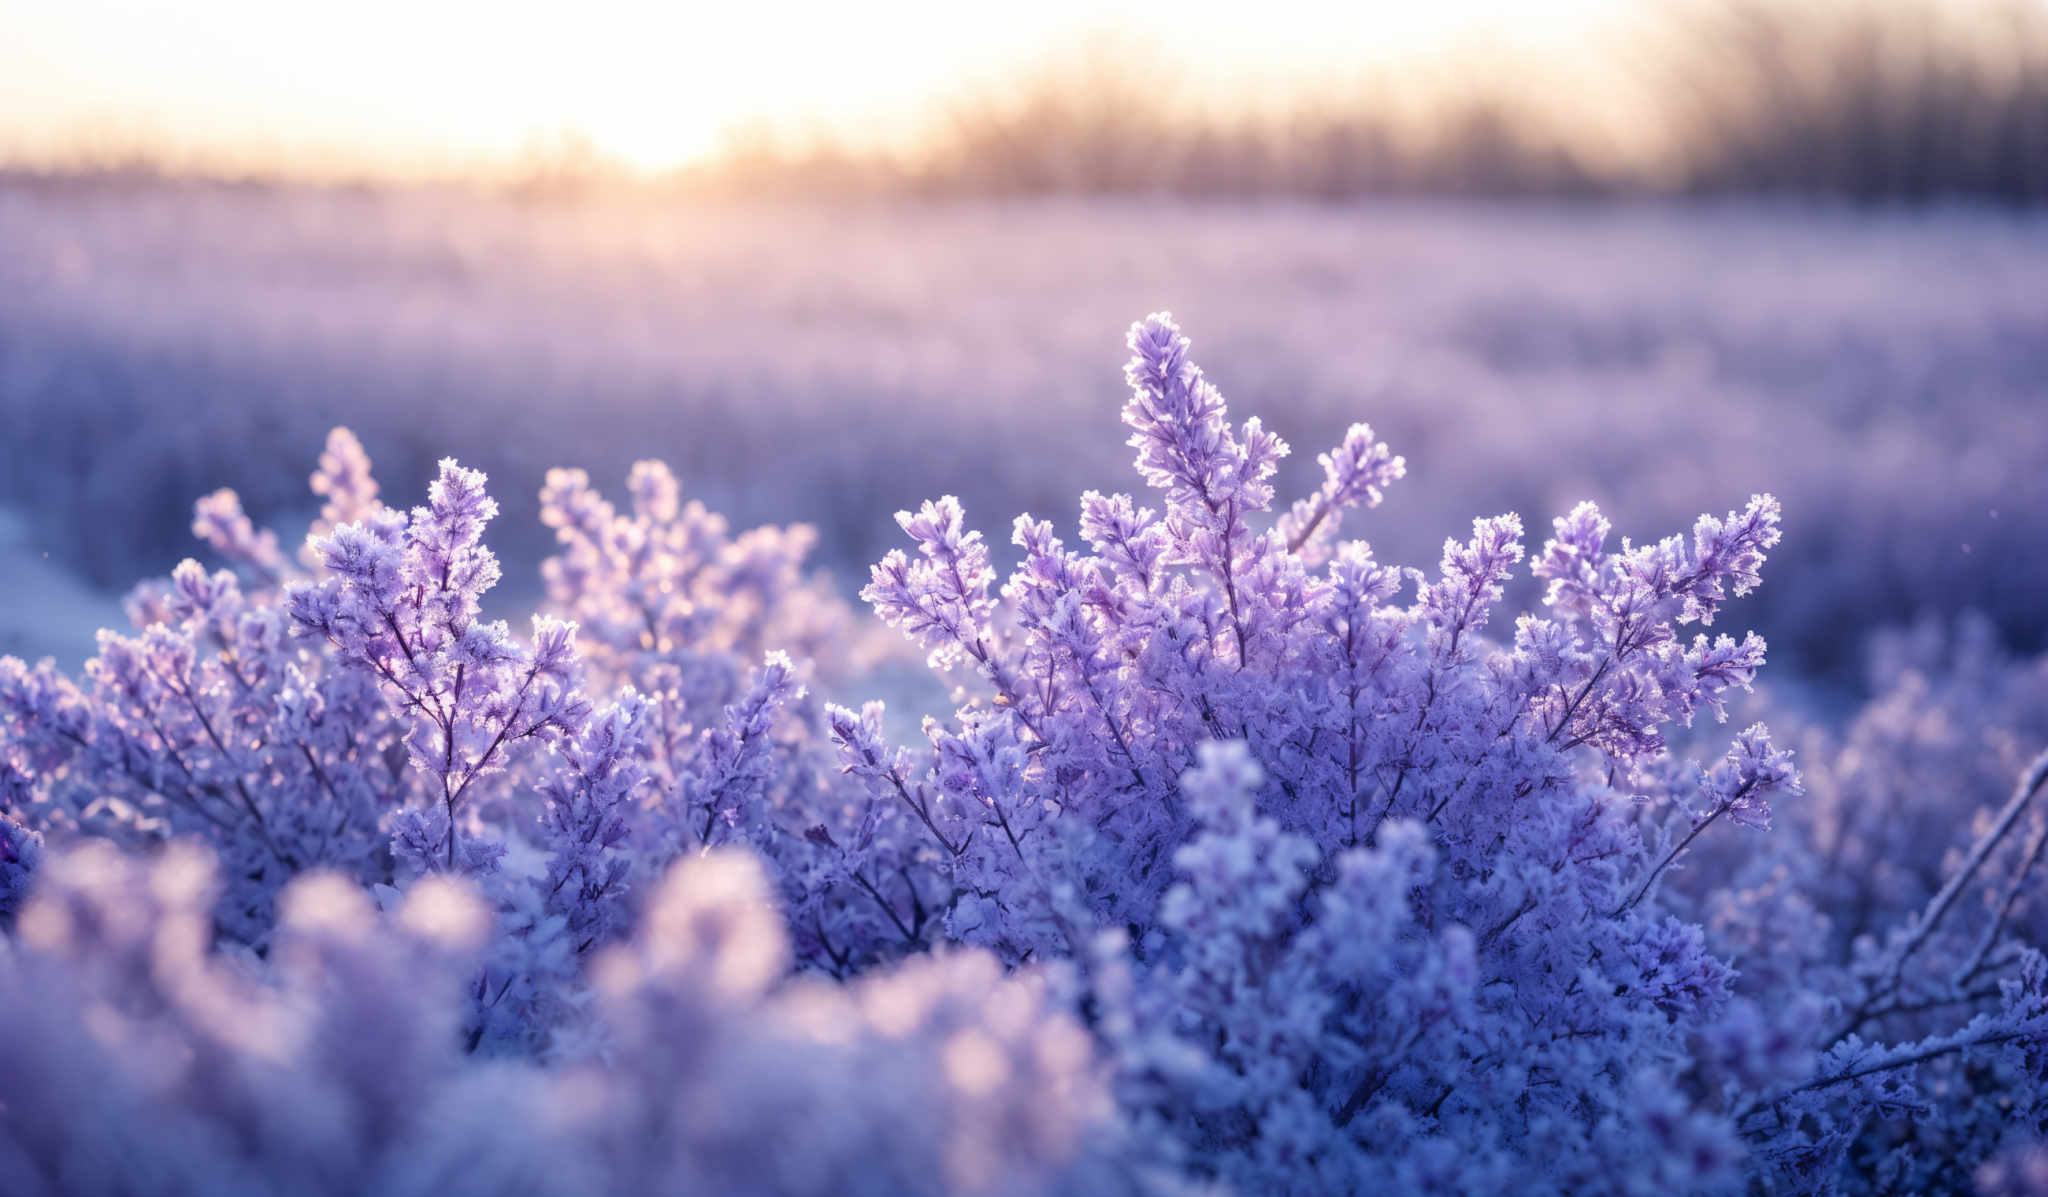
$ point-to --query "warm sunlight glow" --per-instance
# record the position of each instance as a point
(659, 85)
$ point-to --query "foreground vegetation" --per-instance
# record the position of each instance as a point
(1246, 857)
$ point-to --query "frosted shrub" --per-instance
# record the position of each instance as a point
(719, 638)
(138, 1060)
(360, 716)
(1379, 904)
(1363, 896)
(1246, 859)
(1907, 896)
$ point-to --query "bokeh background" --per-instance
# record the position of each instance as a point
(830, 263)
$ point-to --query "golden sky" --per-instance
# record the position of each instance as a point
(660, 85)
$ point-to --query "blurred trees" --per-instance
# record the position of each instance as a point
(1867, 100)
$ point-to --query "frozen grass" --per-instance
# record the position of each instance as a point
(1885, 375)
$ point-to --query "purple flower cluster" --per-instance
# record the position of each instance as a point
(139, 1060)
(1244, 860)
(399, 602)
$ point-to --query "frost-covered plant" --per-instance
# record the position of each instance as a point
(1902, 909)
(720, 637)
(139, 1060)
(664, 590)
(360, 716)
(1411, 929)
(1352, 884)
(399, 603)
(212, 720)
(1407, 926)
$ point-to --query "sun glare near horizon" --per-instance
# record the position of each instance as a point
(650, 85)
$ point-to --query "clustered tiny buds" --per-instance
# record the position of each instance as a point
(1245, 861)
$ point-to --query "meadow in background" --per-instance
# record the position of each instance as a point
(823, 331)
(826, 364)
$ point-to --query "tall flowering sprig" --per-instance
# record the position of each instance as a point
(401, 603)
(348, 489)
(1474, 573)
(1455, 713)
(941, 599)
(1215, 478)
(1739, 788)
(342, 480)
(1627, 673)
(1355, 474)
(218, 519)
(1052, 593)
(213, 721)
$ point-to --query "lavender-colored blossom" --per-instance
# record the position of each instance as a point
(1355, 474)
(343, 480)
(400, 603)
(1246, 860)
(218, 520)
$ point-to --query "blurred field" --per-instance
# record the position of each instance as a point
(1885, 375)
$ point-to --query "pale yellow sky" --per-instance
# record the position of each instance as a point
(659, 85)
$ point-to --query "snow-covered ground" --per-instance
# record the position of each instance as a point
(48, 611)
(1885, 374)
